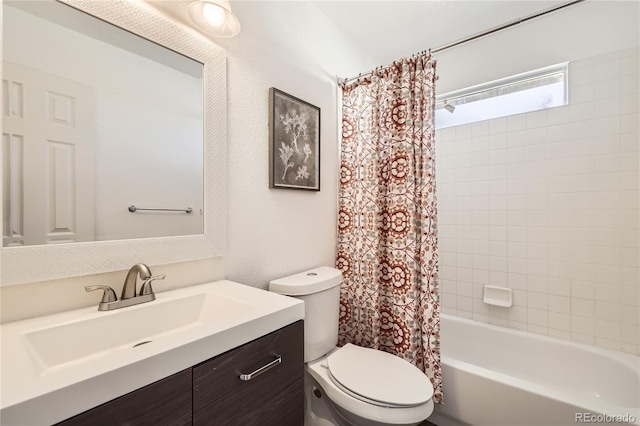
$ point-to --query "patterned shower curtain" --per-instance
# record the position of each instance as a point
(387, 239)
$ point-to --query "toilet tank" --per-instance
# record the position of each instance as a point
(319, 288)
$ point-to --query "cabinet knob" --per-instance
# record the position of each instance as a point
(259, 371)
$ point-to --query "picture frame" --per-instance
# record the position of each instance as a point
(294, 142)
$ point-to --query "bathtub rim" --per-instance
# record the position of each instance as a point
(632, 361)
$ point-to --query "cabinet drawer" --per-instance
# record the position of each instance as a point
(166, 402)
(273, 397)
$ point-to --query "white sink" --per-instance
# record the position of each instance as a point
(57, 366)
(125, 329)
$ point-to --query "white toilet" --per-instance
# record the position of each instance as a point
(350, 385)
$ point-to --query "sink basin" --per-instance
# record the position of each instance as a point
(126, 329)
(57, 366)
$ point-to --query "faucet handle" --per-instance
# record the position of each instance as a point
(107, 297)
(146, 285)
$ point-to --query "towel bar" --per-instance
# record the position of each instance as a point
(133, 209)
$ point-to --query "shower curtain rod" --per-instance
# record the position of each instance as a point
(473, 37)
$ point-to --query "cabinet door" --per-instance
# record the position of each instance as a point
(165, 402)
(275, 397)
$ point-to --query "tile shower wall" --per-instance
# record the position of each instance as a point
(546, 203)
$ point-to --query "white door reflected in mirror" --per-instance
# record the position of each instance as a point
(49, 148)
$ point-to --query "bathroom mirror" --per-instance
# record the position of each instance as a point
(162, 144)
(88, 133)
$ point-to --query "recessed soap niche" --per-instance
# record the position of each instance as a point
(497, 296)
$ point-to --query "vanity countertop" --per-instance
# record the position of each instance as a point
(46, 379)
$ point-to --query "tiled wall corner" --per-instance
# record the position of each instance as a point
(547, 203)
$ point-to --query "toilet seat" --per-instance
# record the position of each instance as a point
(348, 405)
(378, 378)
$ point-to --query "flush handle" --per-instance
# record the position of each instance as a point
(259, 371)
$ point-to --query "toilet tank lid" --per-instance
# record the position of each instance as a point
(307, 282)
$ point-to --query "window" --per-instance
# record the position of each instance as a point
(531, 91)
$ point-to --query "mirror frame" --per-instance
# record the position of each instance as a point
(48, 262)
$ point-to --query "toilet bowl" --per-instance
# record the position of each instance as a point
(351, 385)
(365, 402)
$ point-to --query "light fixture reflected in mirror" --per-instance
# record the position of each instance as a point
(215, 17)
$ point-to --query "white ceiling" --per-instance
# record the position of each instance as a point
(388, 30)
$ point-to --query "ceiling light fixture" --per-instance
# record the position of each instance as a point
(215, 17)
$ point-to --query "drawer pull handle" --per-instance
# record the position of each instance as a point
(259, 371)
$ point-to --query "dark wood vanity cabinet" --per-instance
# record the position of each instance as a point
(273, 397)
(212, 394)
(165, 402)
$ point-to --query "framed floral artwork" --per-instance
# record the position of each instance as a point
(294, 142)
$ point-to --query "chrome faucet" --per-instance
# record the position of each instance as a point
(128, 296)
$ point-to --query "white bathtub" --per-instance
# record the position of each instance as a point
(498, 376)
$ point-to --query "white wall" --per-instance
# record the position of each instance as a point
(546, 203)
(293, 47)
(271, 232)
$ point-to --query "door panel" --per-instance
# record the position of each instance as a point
(49, 149)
